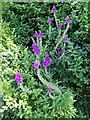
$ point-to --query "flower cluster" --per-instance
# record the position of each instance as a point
(59, 26)
(36, 64)
(49, 21)
(65, 39)
(36, 49)
(49, 90)
(68, 20)
(46, 62)
(54, 9)
(38, 35)
(18, 77)
(63, 51)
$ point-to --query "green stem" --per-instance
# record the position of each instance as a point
(38, 41)
(62, 53)
(59, 30)
(47, 83)
(25, 89)
(49, 31)
(41, 43)
(21, 86)
(51, 96)
(55, 19)
(61, 37)
(46, 70)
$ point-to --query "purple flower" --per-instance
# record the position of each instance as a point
(36, 34)
(49, 90)
(18, 77)
(47, 58)
(49, 21)
(41, 35)
(63, 51)
(36, 64)
(36, 49)
(59, 26)
(59, 59)
(65, 39)
(46, 62)
(68, 20)
(54, 9)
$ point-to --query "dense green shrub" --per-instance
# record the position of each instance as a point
(28, 17)
(34, 103)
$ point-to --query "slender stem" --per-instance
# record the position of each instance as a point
(51, 96)
(47, 83)
(40, 43)
(62, 53)
(49, 31)
(25, 89)
(21, 86)
(59, 30)
(46, 70)
(55, 19)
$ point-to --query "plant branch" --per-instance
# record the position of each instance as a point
(62, 37)
(47, 83)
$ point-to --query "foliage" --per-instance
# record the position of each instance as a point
(34, 103)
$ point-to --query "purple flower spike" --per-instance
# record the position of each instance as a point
(18, 77)
(36, 64)
(36, 49)
(65, 39)
(54, 9)
(47, 58)
(49, 90)
(47, 61)
(49, 21)
(59, 26)
(68, 20)
(36, 34)
(63, 51)
(41, 35)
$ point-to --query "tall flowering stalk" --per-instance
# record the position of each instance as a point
(39, 64)
(61, 37)
(49, 23)
(68, 21)
(47, 61)
(54, 11)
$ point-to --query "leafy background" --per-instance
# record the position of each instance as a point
(19, 22)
